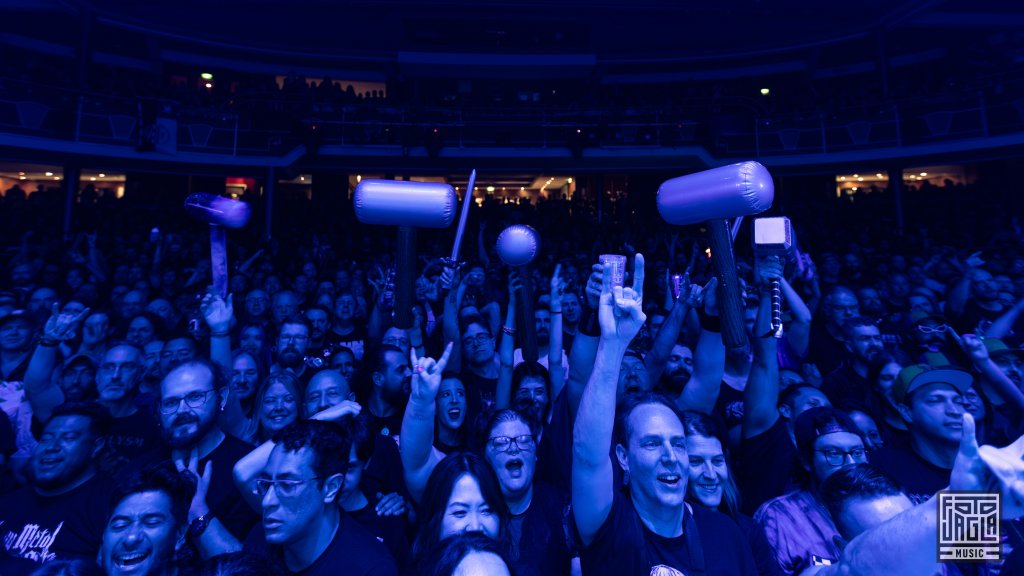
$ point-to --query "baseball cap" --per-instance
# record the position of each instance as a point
(817, 422)
(918, 376)
(13, 315)
(997, 347)
(80, 359)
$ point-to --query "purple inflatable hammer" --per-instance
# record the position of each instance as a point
(712, 196)
(408, 205)
(218, 212)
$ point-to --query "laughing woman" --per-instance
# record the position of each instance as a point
(711, 485)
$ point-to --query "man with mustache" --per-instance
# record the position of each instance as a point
(849, 382)
(292, 344)
(191, 398)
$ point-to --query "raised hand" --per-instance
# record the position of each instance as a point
(61, 325)
(972, 345)
(557, 289)
(426, 375)
(217, 312)
(710, 292)
(620, 310)
(593, 290)
(515, 283)
(338, 411)
(198, 506)
(391, 504)
(767, 269)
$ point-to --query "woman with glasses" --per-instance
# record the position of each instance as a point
(537, 541)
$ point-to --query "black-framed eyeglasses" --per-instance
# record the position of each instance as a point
(504, 443)
(477, 340)
(192, 400)
(284, 488)
(836, 457)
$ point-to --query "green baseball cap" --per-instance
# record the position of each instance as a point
(918, 376)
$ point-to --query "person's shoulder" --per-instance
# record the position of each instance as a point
(354, 536)
(714, 522)
(234, 446)
(773, 507)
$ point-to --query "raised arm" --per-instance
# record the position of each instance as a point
(701, 392)
(990, 372)
(42, 392)
(584, 345)
(761, 396)
(556, 374)
(621, 317)
(248, 468)
(961, 291)
(799, 330)
(1001, 326)
(417, 449)
(506, 347)
(450, 318)
(667, 337)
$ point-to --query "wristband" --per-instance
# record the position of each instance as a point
(707, 322)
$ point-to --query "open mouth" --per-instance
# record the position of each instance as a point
(514, 467)
(454, 413)
(50, 462)
(129, 560)
(671, 480)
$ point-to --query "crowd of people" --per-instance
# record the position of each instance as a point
(527, 421)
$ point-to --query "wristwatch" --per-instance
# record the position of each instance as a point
(198, 526)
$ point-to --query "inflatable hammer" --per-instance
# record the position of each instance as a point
(712, 196)
(517, 246)
(408, 205)
(220, 213)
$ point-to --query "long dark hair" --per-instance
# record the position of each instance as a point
(699, 424)
(439, 489)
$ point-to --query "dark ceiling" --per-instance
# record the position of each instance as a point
(611, 31)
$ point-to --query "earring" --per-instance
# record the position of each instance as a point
(625, 477)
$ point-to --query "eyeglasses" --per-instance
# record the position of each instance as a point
(284, 488)
(937, 329)
(836, 457)
(477, 340)
(504, 443)
(192, 399)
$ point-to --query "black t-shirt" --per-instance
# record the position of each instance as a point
(824, 351)
(554, 455)
(389, 530)
(62, 527)
(480, 391)
(845, 387)
(764, 466)
(223, 498)
(384, 473)
(711, 544)
(919, 478)
(7, 445)
(354, 340)
(132, 437)
(354, 552)
(388, 426)
(729, 405)
(540, 539)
